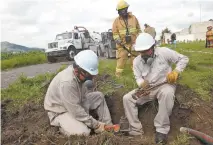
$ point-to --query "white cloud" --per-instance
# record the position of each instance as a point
(36, 22)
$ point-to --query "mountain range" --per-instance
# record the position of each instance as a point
(11, 47)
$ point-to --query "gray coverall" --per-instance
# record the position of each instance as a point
(154, 74)
(68, 102)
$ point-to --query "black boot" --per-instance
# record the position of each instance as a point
(160, 138)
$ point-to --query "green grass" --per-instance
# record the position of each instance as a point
(25, 89)
(9, 60)
(198, 75)
(127, 80)
(195, 46)
(181, 139)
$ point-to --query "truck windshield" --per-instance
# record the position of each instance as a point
(64, 36)
(67, 35)
(59, 37)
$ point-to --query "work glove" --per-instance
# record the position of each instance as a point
(145, 84)
(172, 76)
(118, 41)
(100, 128)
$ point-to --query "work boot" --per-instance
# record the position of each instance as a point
(124, 124)
(160, 138)
(136, 133)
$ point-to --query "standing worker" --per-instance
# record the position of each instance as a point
(76, 32)
(70, 97)
(209, 37)
(173, 40)
(150, 30)
(152, 67)
(125, 30)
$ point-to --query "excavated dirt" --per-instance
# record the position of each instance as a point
(30, 125)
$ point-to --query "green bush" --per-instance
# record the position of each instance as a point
(9, 60)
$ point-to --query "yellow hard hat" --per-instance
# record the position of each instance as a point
(122, 4)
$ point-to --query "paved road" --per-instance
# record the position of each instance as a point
(10, 76)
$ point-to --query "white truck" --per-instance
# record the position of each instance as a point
(68, 44)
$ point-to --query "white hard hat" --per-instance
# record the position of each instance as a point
(143, 42)
(88, 61)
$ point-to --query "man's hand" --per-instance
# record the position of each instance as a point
(118, 41)
(145, 84)
(172, 76)
(100, 128)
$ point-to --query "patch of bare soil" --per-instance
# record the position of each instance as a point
(30, 124)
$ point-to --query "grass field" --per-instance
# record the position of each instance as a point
(197, 76)
(9, 60)
(199, 72)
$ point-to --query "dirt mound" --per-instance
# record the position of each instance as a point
(30, 124)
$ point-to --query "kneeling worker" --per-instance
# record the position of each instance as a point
(68, 100)
(152, 67)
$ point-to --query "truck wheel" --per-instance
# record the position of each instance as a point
(51, 59)
(106, 54)
(71, 53)
(99, 51)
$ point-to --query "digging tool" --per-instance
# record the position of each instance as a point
(124, 47)
(144, 92)
(204, 138)
(114, 128)
(121, 127)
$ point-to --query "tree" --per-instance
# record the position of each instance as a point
(166, 30)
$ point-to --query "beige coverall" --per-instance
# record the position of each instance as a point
(155, 74)
(68, 103)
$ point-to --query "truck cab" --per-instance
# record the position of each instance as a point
(68, 44)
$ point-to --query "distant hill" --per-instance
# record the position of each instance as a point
(11, 47)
